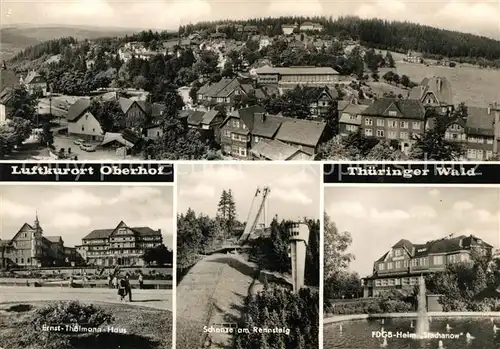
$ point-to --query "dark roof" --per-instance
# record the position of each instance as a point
(8, 79)
(303, 132)
(480, 122)
(404, 108)
(195, 117)
(106, 233)
(257, 121)
(444, 245)
(78, 109)
(53, 238)
(209, 116)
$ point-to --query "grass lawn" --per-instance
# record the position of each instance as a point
(472, 85)
(146, 329)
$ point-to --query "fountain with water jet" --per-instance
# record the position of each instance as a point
(422, 326)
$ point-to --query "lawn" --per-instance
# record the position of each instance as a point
(146, 329)
(472, 85)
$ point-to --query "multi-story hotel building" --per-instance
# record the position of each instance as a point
(290, 77)
(405, 262)
(394, 120)
(29, 248)
(122, 245)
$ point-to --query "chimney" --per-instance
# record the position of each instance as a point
(460, 243)
(440, 84)
(489, 110)
(4, 65)
(261, 116)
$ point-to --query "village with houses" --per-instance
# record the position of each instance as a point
(271, 89)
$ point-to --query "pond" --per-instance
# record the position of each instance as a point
(363, 334)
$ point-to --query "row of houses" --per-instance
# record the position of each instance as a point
(252, 133)
(400, 120)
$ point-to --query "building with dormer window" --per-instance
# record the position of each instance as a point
(122, 245)
(405, 262)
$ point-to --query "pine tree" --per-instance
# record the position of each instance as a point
(222, 206)
(231, 211)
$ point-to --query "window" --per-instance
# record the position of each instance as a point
(404, 124)
(393, 124)
(227, 133)
(472, 140)
(380, 133)
(397, 281)
(454, 136)
(447, 135)
(378, 283)
(489, 154)
(28, 260)
(368, 132)
(256, 139)
(242, 151)
(86, 117)
(403, 135)
(416, 125)
(390, 265)
(438, 260)
(351, 128)
(455, 127)
(368, 121)
(397, 264)
(393, 113)
(453, 258)
(414, 262)
(381, 266)
(392, 135)
(380, 122)
(236, 123)
(83, 128)
(423, 261)
(398, 252)
(489, 140)
(479, 155)
(471, 153)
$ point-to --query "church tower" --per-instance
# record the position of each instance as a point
(36, 241)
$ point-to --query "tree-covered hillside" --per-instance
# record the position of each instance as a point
(382, 34)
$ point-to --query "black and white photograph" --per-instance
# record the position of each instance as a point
(273, 80)
(411, 267)
(86, 266)
(248, 242)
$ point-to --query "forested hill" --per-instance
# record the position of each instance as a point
(382, 34)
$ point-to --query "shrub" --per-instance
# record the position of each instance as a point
(71, 312)
(371, 306)
(281, 308)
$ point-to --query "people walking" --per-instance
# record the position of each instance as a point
(115, 282)
(141, 281)
(110, 285)
(129, 288)
(122, 289)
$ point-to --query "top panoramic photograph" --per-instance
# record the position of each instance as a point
(268, 80)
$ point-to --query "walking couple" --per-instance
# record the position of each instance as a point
(124, 288)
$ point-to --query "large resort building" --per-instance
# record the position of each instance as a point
(401, 266)
(290, 77)
(123, 245)
(30, 248)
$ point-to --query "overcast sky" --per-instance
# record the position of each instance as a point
(474, 16)
(74, 211)
(378, 218)
(294, 188)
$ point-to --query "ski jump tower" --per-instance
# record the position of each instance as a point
(298, 240)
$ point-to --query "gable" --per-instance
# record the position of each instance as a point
(122, 229)
(392, 111)
(26, 228)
